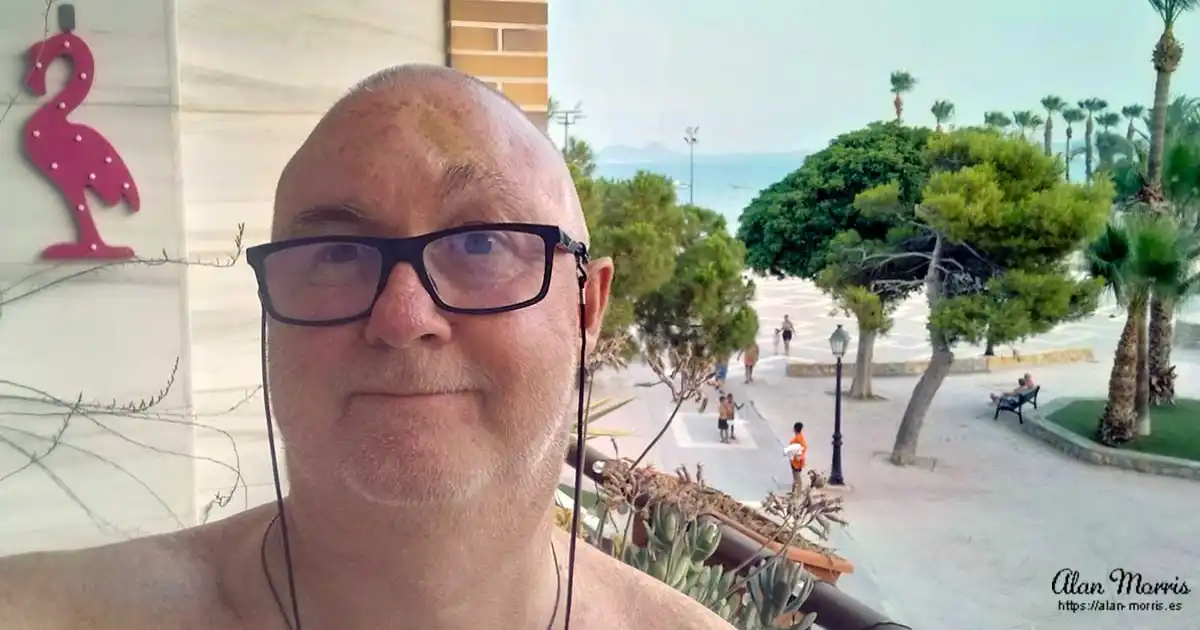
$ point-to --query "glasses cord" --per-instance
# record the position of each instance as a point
(283, 526)
(280, 517)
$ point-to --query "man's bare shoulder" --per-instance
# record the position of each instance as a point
(165, 581)
(632, 599)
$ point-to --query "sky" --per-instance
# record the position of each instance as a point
(788, 75)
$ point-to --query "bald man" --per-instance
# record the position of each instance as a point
(423, 294)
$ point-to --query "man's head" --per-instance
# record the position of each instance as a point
(415, 404)
(798, 427)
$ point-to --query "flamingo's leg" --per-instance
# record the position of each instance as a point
(88, 244)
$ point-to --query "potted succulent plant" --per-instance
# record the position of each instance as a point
(777, 528)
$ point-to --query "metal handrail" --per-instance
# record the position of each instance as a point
(835, 610)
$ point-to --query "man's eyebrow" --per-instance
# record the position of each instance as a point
(325, 215)
(468, 179)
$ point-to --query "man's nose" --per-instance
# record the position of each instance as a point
(405, 313)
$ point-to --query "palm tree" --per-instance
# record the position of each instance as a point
(1132, 113)
(1108, 143)
(1071, 116)
(942, 112)
(1024, 122)
(902, 83)
(1181, 178)
(1167, 54)
(1092, 106)
(1036, 121)
(1053, 105)
(1108, 120)
(1139, 257)
(997, 120)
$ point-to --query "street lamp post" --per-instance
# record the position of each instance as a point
(837, 343)
(689, 136)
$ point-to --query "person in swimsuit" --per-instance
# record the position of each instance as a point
(787, 329)
(734, 408)
(724, 415)
(749, 358)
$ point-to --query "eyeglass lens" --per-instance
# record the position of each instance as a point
(482, 269)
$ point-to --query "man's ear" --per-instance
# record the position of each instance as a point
(595, 292)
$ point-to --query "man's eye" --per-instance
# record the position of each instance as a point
(339, 253)
(478, 242)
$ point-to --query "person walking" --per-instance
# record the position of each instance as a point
(749, 358)
(787, 329)
(797, 453)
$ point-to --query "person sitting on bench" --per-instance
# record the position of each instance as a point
(1024, 386)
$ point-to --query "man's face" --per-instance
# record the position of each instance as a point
(415, 405)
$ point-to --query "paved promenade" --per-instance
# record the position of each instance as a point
(972, 538)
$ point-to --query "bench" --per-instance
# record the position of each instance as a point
(1014, 405)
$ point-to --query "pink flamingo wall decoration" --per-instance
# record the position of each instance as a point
(74, 157)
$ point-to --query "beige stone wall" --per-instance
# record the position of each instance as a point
(503, 43)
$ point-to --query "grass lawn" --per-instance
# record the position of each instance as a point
(1175, 430)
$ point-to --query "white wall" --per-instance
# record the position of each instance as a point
(109, 335)
(205, 100)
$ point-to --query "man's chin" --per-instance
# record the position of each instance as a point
(398, 484)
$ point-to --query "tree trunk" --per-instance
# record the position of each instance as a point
(898, 103)
(1158, 131)
(1048, 134)
(990, 350)
(864, 359)
(1117, 423)
(904, 451)
(1088, 130)
(1142, 402)
(1160, 371)
(1067, 154)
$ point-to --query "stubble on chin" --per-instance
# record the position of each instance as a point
(514, 448)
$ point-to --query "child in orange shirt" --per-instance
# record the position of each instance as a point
(797, 452)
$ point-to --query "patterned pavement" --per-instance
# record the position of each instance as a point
(815, 318)
(986, 523)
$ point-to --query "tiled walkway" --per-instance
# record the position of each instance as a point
(973, 540)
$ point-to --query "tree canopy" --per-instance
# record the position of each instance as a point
(678, 277)
(1003, 203)
(789, 227)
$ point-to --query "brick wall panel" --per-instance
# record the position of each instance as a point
(499, 66)
(474, 38)
(503, 12)
(527, 95)
(524, 40)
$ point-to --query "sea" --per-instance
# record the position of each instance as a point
(724, 183)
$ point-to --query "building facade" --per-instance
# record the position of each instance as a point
(128, 390)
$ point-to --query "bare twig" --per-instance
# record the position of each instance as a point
(19, 400)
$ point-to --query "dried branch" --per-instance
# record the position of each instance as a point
(22, 401)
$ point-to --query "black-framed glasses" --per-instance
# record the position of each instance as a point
(477, 269)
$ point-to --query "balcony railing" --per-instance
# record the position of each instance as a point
(835, 610)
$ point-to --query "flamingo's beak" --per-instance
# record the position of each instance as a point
(35, 81)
